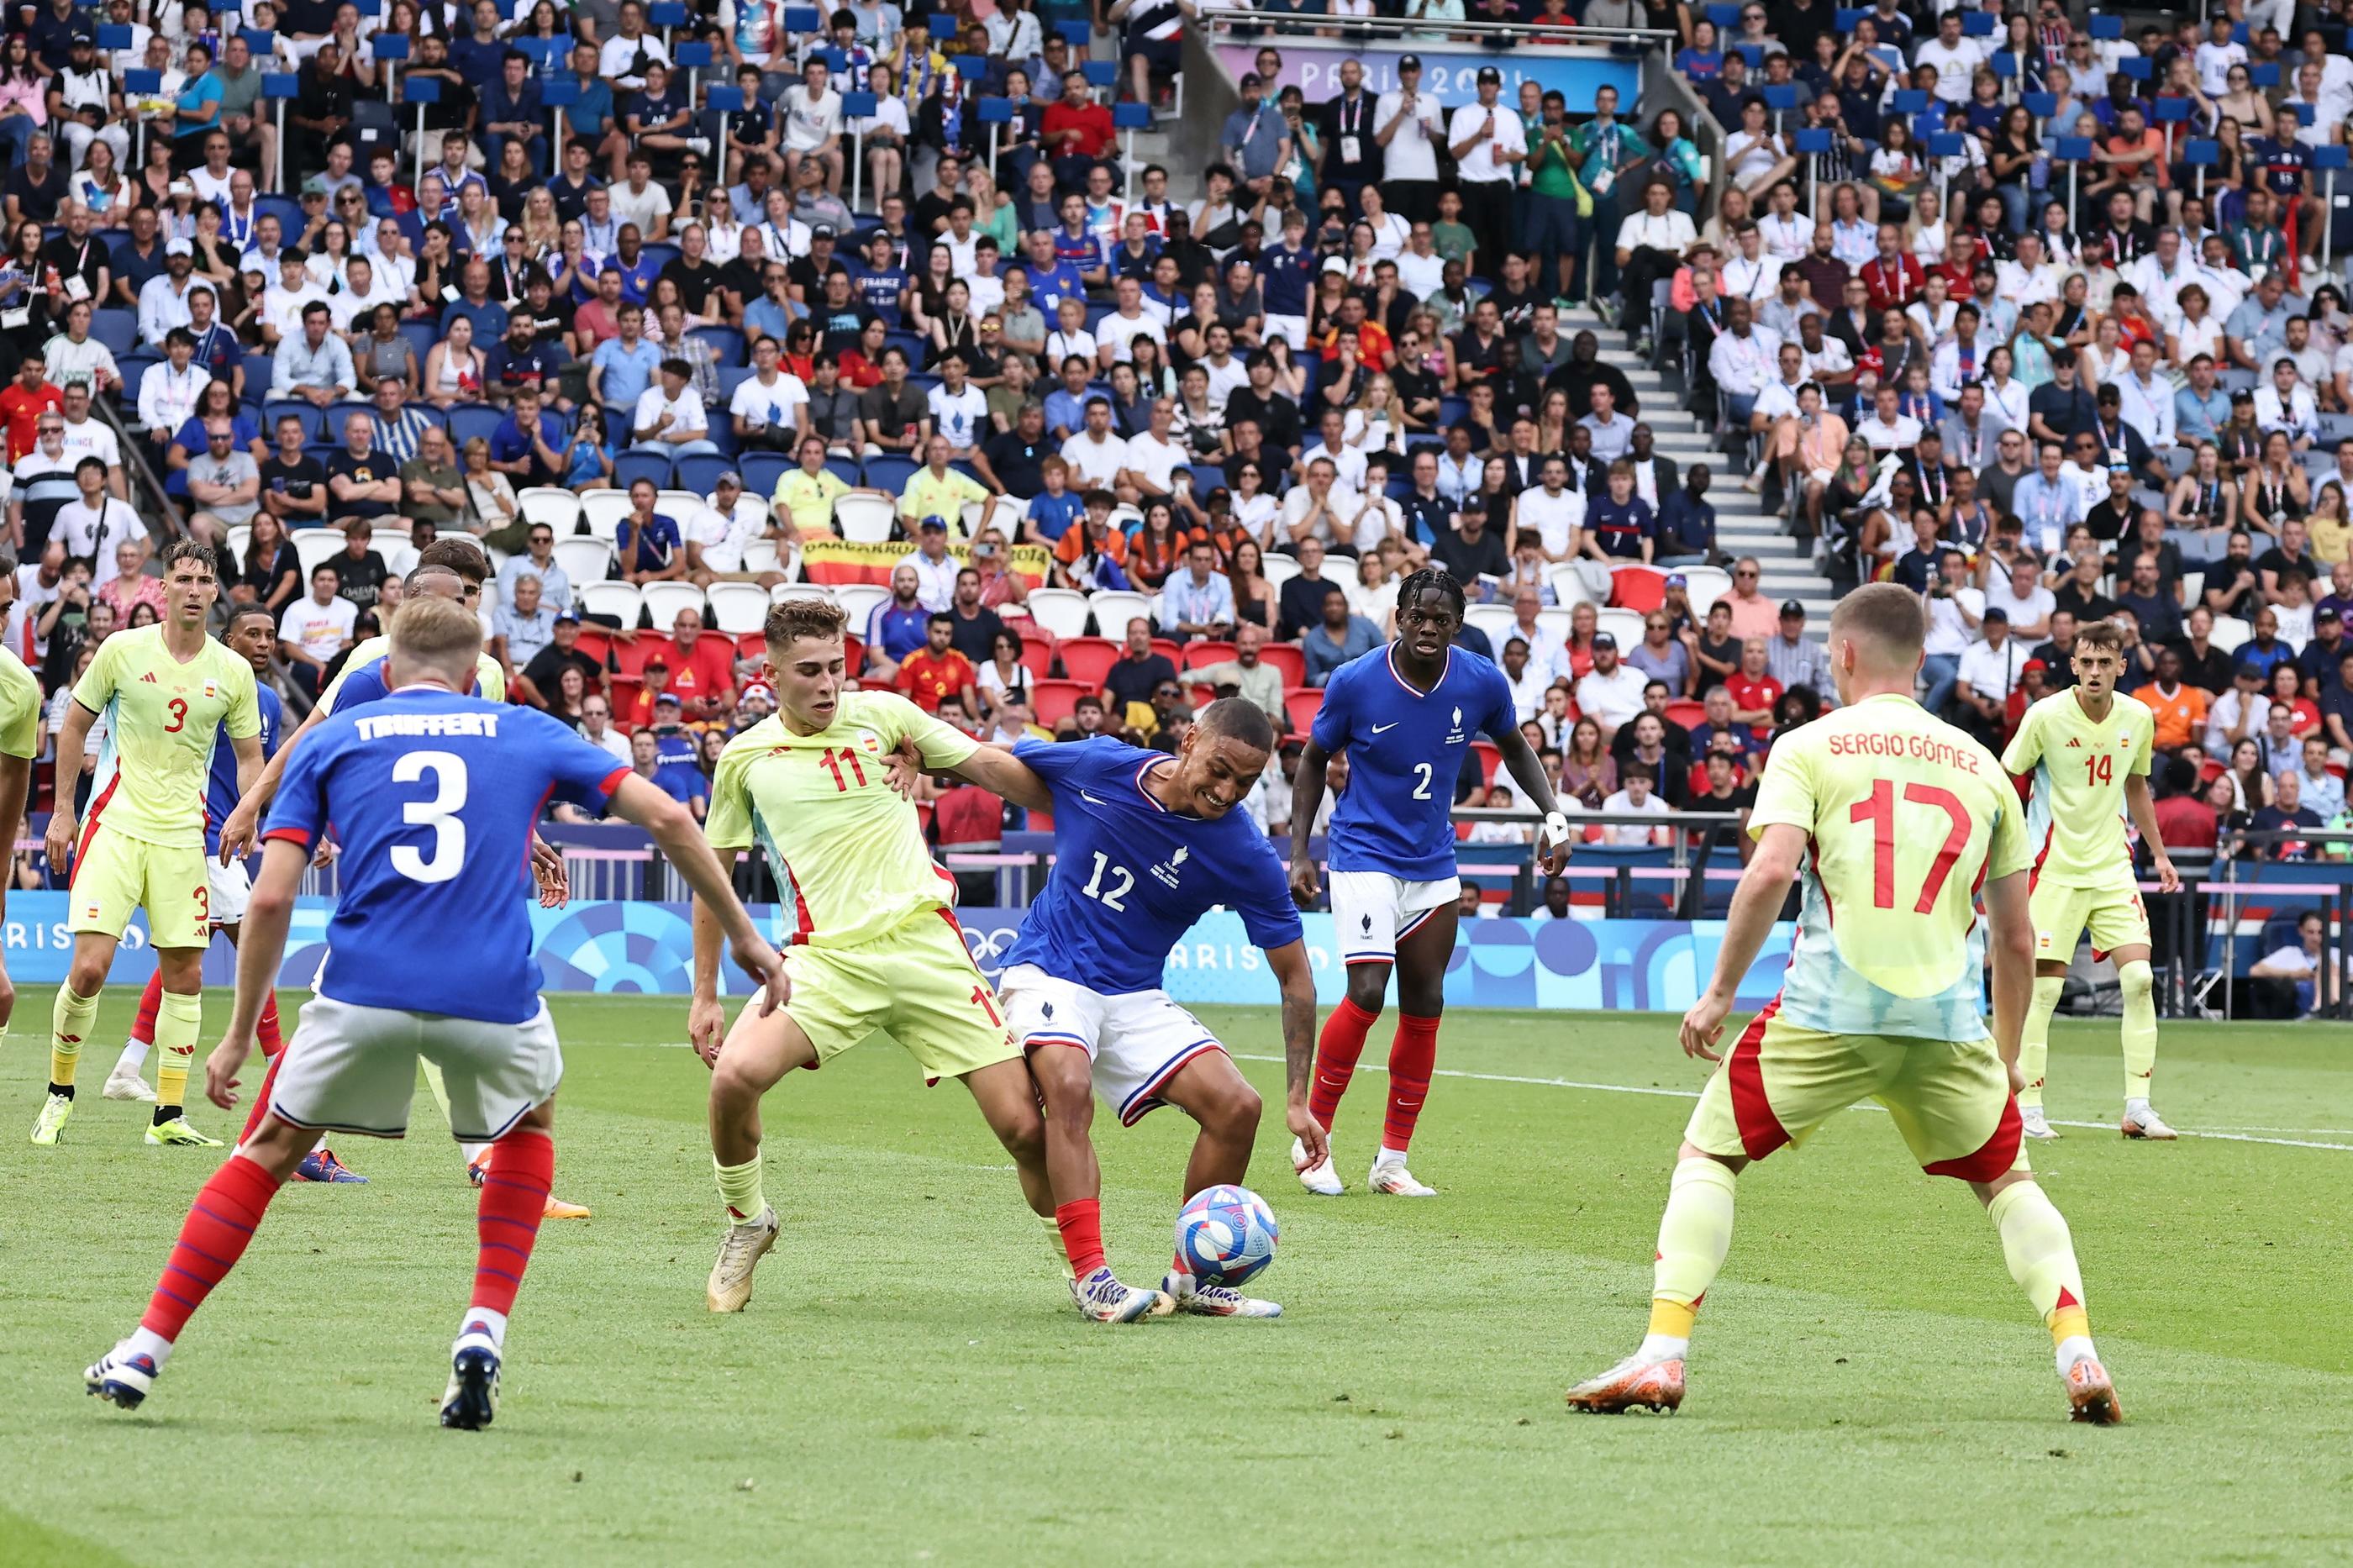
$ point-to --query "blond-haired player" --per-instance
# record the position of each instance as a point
(2087, 752)
(877, 947)
(167, 690)
(1892, 822)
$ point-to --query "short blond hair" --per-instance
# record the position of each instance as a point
(439, 634)
(1885, 619)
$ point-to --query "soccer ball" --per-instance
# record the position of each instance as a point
(1225, 1235)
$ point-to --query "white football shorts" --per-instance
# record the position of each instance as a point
(351, 1068)
(231, 889)
(1135, 1042)
(1372, 911)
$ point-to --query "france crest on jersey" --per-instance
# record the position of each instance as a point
(1131, 877)
(1405, 750)
(433, 796)
(221, 794)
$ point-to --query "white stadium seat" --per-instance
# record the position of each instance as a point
(584, 559)
(604, 510)
(559, 509)
(1114, 609)
(737, 607)
(1061, 611)
(857, 600)
(619, 600)
(663, 601)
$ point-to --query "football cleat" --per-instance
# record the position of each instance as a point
(122, 1376)
(557, 1209)
(740, 1252)
(1632, 1385)
(1101, 1296)
(125, 1083)
(2091, 1396)
(2034, 1124)
(476, 1171)
(2146, 1123)
(1390, 1176)
(48, 1128)
(321, 1166)
(177, 1133)
(1213, 1300)
(471, 1400)
(1320, 1179)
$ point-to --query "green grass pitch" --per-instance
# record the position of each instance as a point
(911, 1386)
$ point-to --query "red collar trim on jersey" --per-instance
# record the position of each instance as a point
(1392, 661)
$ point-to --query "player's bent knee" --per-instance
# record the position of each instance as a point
(2135, 979)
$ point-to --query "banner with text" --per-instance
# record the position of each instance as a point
(1627, 965)
(835, 562)
(1449, 76)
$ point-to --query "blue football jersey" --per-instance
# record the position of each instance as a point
(221, 794)
(433, 796)
(1405, 750)
(364, 683)
(1131, 877)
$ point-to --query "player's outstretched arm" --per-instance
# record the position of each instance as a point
(1306, 800)
(261, 947)
(1297, 977)
(244, 821)
(2144, 817)
(674, 831)
(1755, 904)
(1527, 772)
(73, 736)
(2013, 966)
(994, 768)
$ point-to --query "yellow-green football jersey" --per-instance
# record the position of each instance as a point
(20, 707)
(490, 677)
(2075, 813)
(162, 719)
(835, 832)
(1905, 817)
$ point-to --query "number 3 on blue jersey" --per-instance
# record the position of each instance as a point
(1405, 750)
(447, 772)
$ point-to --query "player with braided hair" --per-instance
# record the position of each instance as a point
(1406, 715)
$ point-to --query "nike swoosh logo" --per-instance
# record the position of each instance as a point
(1084, 795)
(1377, 729)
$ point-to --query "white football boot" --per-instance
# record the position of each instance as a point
(2141, 1121)
(740, 1252)
(1320, 1179)
(125, 1083)
(2036, 1125)
(1213, 1300)
(1389, 1175)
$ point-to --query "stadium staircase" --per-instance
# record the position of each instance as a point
(1742, 525)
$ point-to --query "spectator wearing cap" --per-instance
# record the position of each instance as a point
(1988, 673)
(1489, 142)
(936, 570)
(1795, 659)
(1255, 138)
(164, 298)
(730, 522)
(1611, 692)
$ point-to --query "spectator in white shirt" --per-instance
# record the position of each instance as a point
(168, 392)
(1634, 797)
(1096, 457)
(2024, 602)
(1988, 670)
(1610, 693)
(671, 416)
(2286, 406)
(2144, 398)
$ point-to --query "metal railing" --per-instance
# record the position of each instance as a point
(147, 498)
(1247, 26)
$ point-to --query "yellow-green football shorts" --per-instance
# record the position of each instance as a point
(2061, 914)
(918, 984)
(1950, 1100)
(114, 874)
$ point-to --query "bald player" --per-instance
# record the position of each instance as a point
(1895, 820)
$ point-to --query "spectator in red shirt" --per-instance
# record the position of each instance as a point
(703, 673)
(653, 681)
(1893, 275)
(27, 397)
(935, 671)
(1755, 693)
(1077, 131)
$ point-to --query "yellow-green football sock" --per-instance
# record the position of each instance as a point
(178, 1021)
(739, 1189)
(1694, 1233)
(70, 1022)
(2041, 1258)
(1054, 1240)
(2139, 984)
(2034, 1041)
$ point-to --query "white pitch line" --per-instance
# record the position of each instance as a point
(1693, 1094)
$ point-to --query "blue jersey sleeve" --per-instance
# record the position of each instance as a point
(298, 814)
(1262, 896)
(1073, 764)
(361, 687)
(577, 771)
(1332, 728)
(1495, 691)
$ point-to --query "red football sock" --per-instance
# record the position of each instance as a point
(261, 1100)
(1082, 1226)
(266, 1034)
(212, 1239)
(144, 1028)
(1337, 1050)
(514, 1198)
(1411, 1056)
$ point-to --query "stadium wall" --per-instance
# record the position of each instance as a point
(1622, 965)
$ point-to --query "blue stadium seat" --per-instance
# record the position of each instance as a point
(117, 328)
(315, 423)
(1208, 477)
(889, 473)
(131, 367)
(725, 342)
(1977, 24)
(2140, 67)
(1102, 73)
(2266, 74)
(631, 466)
(660, 253)
(1131, 116)
(731, 377)
(914, 343)
(761, 470)
(700, 472)
(846, 469)
(421, 336)
(1911, 100)
(2042, 105)
(469, 420)
(2104, 27)
(943, 26)
(922, 381)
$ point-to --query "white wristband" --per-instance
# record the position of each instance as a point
(1556, 830)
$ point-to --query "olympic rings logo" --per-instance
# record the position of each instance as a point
(985, 945)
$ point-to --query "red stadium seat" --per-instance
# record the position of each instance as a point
(751, 645)
(1170, 649)
(1687, 713)
(1202, 653)
(1055, 698)
(1636, 587)
(1037, 649)
(1087, 660)
(1303, 703)
(1199, 696)
(1287, 659)
(1491, 757)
